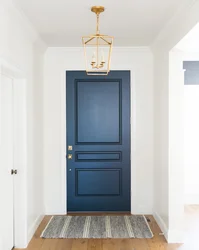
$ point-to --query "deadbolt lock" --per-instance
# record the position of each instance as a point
(70, 156)
(70, 148)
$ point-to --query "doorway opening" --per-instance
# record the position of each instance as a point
(183, 136)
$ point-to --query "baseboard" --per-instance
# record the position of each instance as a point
(175, 236)
(55, 212)
(161, 224)
(192, 199)
(34, 227)
(171, 236)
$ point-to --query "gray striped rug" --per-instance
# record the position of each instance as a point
(134, 226)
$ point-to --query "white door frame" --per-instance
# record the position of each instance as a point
(20, 154)
(132, 131)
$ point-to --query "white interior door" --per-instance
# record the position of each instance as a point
(6, 162)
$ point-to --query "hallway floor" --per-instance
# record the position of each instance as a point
(157, 243)
(191, 241)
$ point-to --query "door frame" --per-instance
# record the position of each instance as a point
(132, 139)
(20, 182)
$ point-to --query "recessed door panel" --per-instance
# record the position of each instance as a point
(98, 107)
(100, 182)
(98, 156)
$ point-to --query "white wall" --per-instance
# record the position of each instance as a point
(176, 146)
(140, 62)
(168, 144)
(20, 47)
(191, 137)
(168, 194)
(161, 179)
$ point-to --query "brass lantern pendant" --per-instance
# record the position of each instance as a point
(97, 49)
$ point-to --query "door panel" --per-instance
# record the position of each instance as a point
(98, 129)
(99, 180)
(98, 156)
(92, 114)
(6, 149)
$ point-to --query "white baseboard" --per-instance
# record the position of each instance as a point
(192, 199)
(34, 227)
(53, 212)
(161, 224)
(171, 236)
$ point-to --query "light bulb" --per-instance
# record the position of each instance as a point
(93, 58)
(102, 57)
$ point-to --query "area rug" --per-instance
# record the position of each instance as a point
(134, 226)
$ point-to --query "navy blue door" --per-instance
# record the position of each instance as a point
(98, 141)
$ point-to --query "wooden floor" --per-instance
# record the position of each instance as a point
(158, 242)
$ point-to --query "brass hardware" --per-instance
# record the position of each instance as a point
(70, 156)
(98, 63)
(97, 9)
(70, 148)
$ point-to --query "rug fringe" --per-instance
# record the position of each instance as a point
(46, 226)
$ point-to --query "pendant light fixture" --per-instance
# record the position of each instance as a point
(97, 49)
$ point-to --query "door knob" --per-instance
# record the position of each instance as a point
(70, 156)
(13, 171)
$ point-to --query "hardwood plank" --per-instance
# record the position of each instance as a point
(79, 244)
(139, 244)
(109, 244)
(158, 242)
(134, 244)
(49, 244)
(95, 244)
(64, 244)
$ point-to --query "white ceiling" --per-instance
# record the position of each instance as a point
(131, 22)
(190, 43)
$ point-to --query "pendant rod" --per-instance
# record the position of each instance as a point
(97, 51)
(97, 10)
(97, 29)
